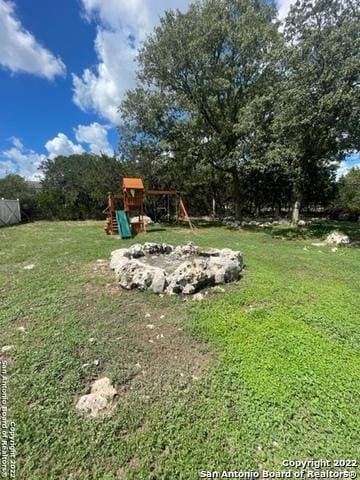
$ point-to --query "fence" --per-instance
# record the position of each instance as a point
(9, 212)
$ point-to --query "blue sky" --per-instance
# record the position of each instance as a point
(64, 68)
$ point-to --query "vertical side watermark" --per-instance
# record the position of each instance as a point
(8, 452)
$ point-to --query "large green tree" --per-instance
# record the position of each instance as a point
(317, 117)
(205, 88)
(76, 187)
(349, 192)
(14, 186)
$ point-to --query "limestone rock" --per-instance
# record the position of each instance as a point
(190, 274)
(135, 274)
(92, 405)
(103, 387)
(218, 289)
(136, 251)
(7, 348)
(147, 220)
(100, 399)
(185, 250)
(198, 297)
(158, 283)
(118, 258)
(190, 270)
(337, 238)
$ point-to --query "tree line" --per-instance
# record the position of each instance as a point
(233, 109)
(76, 188)
(225, 88)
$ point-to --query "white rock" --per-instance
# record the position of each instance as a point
(337, 238)
(185, 250)
(7, 348)
(92, 405)
(103, 387)
(29, 267)
(207, 268)
(188, 289)
(135, 274)
(136, 251)
(147, 220)
(301, 223)
(22, 329)
(99, 400)
(198, 297)
(147, 315)
(158, 280)
(218, 289)
(150, 326)
(118, 259)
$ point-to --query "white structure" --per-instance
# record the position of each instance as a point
(9, 212)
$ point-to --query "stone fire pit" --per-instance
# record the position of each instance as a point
(185, 269)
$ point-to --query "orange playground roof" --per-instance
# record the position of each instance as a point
(135, 183)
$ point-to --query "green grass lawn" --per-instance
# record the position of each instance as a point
(267, 371)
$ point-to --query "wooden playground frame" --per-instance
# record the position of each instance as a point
(132, 201)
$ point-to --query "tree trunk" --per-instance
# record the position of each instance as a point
(237, 194)
(296, 210)
(277, 210)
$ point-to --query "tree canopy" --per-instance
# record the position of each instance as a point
(222, 85)
(13, 187)
(76, 187)
(204, 84)
(349, 192)
(317, 113)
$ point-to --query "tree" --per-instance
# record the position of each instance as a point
(317, 113)
(76, 187)
(349, 192)
(205, 87)
(14, 186)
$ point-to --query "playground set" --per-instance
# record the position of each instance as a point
(125, 211)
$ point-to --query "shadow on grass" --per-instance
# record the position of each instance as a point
(156, 229)
(197, 223)
(317, 230)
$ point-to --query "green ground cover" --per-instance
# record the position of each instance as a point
(266, 371)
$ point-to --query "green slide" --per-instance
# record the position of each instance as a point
(123, 224)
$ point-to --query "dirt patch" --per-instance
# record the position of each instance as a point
(140, 340)
(168, 355)
(133, 464)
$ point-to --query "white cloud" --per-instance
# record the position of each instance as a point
(20, 160)
(92, 138)
(102, 90)
(352, 160)
(122, 26)
(62, 145)
(96, 136)
(284, 7)
(17, 142)
(20, 51)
